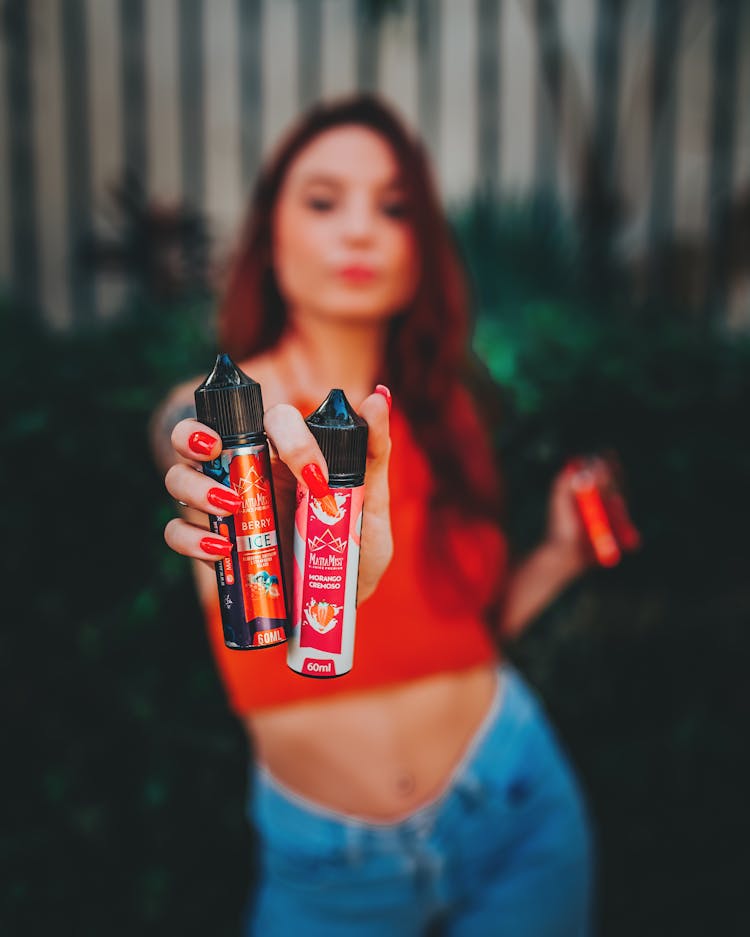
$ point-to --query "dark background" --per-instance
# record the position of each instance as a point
(125, 789)
(124, 776)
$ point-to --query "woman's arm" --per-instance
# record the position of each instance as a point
(534, 582)
(563, 556)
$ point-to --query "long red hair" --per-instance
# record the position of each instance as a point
(427, 352)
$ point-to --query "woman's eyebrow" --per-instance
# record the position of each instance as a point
(319, 178)
(394, 184)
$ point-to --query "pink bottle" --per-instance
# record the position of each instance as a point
(326, 546)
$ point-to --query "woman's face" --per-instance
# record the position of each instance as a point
(343, 244)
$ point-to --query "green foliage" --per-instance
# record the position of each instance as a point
(127, 784)
(643, 667)
(127, 787)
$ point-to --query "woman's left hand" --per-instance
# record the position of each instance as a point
(566, 532)
(566, 551)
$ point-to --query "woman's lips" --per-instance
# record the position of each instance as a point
(357, 274)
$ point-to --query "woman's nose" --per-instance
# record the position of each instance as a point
(358, 221)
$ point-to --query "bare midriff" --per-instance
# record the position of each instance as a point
(379, 754)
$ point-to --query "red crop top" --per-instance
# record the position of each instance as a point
(412, 626)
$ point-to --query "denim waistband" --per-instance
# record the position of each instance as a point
(273, 805)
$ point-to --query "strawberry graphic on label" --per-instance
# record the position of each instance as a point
(322, 615)
(329, 509)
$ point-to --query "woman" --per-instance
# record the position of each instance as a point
(425, 788)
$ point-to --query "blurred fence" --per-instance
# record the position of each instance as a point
(634, 114)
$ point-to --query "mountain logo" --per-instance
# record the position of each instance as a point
(251, 484)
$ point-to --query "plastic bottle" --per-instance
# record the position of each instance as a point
(326, 546)
(250, 580)
(594, 513)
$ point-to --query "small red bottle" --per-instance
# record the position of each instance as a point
(594, 513)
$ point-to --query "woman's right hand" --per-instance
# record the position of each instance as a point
(294, 454)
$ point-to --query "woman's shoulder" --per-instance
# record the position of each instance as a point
(178, 404)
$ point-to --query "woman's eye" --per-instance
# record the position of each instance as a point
(394, 209)
(320, 203)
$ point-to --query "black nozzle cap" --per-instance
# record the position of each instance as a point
(342, 436)
(230, 402)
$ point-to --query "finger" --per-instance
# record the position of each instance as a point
(603, 472)
(195, 441)
(196, 490)
(296, 447)
(375, 410)
(566, 479)
(189, 540)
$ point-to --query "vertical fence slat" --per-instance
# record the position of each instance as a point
(663, 127)
(338, 47)
(488, 95)
(598, 199)
(24, 240)
(397, 62)
(367, 39)
(51, 172)
(78, 155)
(224, 196)
(632, 157)
(576, 19)
(547, 98)
(5, 219)
(723, 110)
(134, 88)
(192, 104)
(250, 52)
(692, 129)
(163, 101)
(113, 131)
(458, 116)
(429, 83)
(280, 103)
(741, 116)
(607, 55)
(109, 90)
(518, 81)
(309, 27)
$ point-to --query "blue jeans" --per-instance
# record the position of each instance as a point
(505, 849)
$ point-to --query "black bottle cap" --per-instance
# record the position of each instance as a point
(342, 436)
(230, 402)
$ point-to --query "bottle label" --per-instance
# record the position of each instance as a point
(318, 668)
(250, 585)
(330, 535)
(257, 547)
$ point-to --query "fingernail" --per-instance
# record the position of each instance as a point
(201, 443)
(382, 389)
(216, 547)
(315, 481)
(224, 498)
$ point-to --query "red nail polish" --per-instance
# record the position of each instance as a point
(382, 389)
(216, 547)
(315, 481)
(201, 443)
(224, 498)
